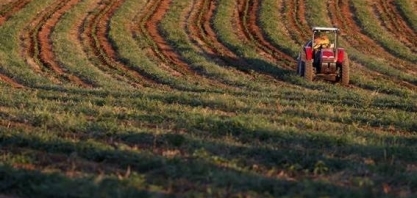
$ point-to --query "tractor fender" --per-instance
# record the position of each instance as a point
(309, 52)
(340, 55)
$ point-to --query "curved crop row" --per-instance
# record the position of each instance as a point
(94, 36)
(369, 23)
(38, 48)
(366, 58)
(196, 43)
(294, 15)
(70, 51)
(7, 10)
(407, 10)
(45, 49)
(168, 66)
(200, 99)
(204, 36)
(392, 20)
(163, 49)
(229, 27)
(249, 19)
(365, 45)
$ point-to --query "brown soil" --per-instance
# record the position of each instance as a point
(7, 9)
(93, 34)
(11, 7)
(46, 54)
(37, 48)
(162, 50)
(342, 16)
(263, 44)
(294, 13)
(10, 81)
(162, 47)
(139, 30)
(202, 34)
(391, 19)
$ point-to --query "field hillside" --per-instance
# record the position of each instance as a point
(200, 98)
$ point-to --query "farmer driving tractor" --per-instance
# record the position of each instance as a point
(321, 57)
(321, 41)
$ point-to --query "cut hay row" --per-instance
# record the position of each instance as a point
(131, 41)
(12, 54)
(142, 33)
(274, 30)
(45, 52)
(229, 27)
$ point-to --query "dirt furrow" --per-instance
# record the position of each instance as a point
(4, 78)
(252, 33)
(162, 49)
(341, 15)
(259, 38)
(202, 34)
(37, 47)
(393, 22)
(93, 33)
(294, 13)
(140, 31)
(46, 53)
(168, 56)
(7, 10)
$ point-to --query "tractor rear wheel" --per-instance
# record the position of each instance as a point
(345, 70)
(308, 70)
(301, 63)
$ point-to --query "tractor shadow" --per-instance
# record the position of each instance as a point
(278, 71)
(251, 65)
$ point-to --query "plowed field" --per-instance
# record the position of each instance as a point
(200, 98)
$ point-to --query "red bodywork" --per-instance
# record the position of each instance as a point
(327, 55)
(340, 55)
(309, 53)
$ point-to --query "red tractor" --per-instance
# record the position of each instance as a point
(322, 58)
